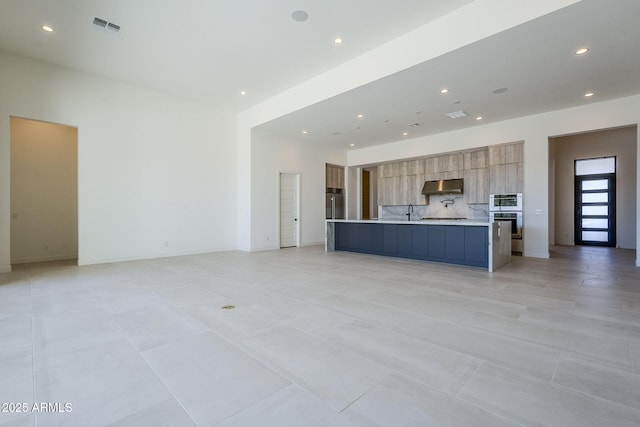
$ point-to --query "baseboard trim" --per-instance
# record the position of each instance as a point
(94, 261)
(29, 260)
(537, 254)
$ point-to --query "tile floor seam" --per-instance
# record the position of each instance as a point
(564, 349)
(258, 402)
(593, 396)
(367, 391)
(260, 362)
(154, 373)
(553, 375)
(489, 411)
(33, 349)
(482, 362)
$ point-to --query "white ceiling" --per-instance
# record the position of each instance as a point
(211, 50)
(535, 61)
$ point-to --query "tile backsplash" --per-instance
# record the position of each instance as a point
(452, 206)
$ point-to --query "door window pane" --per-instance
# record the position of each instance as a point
(595, 210)
(596, 166)
(596, 184)
(595, 197)
(595, 223)
(595, 236)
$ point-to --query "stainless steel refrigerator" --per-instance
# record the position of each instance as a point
(334, 202)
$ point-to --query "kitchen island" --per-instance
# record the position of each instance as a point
(464, 242)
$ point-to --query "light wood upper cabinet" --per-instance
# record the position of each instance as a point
(505, 168)
(498, 179)
(476, 186)
(334, 176)
(414, 194)
(496, 169)
(497, 155)
(514, 182)
(415, 167)
(478, 159)
(514, 153)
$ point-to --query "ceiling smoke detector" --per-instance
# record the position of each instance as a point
(456, 114)
(106, 26)
(300, 16)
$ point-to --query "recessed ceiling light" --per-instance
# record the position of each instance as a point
(444, 90)
(386, 121)
(352, 145)
(479, 118)
(457, 101)
(47, 28)
(500, 90)
(582, 51)
(304, 132)
(589, 94)
(418, 112)
(338, 40)
(299, 16)
(405, 133)
(243, 92)
(360, 116)
(414, 125)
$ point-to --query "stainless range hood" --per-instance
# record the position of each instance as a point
(443, 186)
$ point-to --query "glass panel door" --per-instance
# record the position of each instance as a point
(595, 206)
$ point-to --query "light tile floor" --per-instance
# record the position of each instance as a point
(325, 339)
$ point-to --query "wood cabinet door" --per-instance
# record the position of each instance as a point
(497, 155)
(514, 152)
(497, 179)
(513, 178)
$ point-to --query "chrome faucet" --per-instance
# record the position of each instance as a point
(409, 212)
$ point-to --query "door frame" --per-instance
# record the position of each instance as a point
(278, 204)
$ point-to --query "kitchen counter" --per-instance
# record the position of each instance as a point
(455, 241)
(444, 221)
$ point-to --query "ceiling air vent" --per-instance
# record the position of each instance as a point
(106, 26)
(100, 23)
(456, 114)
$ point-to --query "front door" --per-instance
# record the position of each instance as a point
(595, 200)
(288, 210)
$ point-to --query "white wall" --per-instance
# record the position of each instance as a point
(157, 174)
(44, 191)
(269, 157)
(535, 131)
(620, 143)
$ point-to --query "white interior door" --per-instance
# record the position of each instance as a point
(289, 210)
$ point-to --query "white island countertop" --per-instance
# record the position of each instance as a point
(471, 222)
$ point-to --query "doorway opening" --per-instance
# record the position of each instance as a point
(595, 202)
(44, 191)
(365, 190)
(289, 210)
(369, 193)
